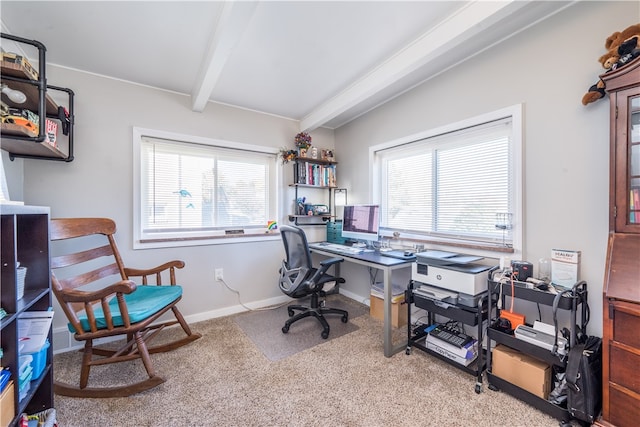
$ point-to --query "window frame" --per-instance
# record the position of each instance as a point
(514, 113)
(215, 237)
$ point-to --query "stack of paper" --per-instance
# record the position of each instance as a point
(33, 330)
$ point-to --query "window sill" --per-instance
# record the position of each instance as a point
(205, 240)
(475, 246)
(485, 249)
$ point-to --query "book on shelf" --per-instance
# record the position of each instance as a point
(314, 174)
(5, 374)
(634, 205)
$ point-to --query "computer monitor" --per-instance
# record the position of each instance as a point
(361, 222)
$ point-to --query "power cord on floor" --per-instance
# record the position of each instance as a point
(271, 307)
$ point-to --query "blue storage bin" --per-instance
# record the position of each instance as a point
(39, 361)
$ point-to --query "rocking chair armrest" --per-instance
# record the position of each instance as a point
(137, 272)
(75, 295)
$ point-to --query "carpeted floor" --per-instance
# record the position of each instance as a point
(224, 379)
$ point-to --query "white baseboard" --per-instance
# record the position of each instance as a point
(355, 297)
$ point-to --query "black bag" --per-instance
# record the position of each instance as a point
(584, 380)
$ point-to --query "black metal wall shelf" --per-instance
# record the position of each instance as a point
(19, 141)
(300, 178)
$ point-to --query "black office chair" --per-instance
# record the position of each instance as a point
(298, 279)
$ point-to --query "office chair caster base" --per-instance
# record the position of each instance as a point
(345, 318)
(285, 329)
(325, 334)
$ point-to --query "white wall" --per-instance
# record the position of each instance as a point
(99, 183)
(547, 68)
(13, 171)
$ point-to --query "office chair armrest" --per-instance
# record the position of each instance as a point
(330, 261)
(324, 266)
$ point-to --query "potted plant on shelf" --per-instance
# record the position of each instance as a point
(287, 155)
(303, 142)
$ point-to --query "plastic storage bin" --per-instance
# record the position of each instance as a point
(39, 361)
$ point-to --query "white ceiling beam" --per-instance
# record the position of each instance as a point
(232, 22)
(460, 26)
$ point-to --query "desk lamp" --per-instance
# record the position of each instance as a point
(339, 196)
(339, 199)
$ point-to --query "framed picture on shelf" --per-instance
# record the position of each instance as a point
(327, 155)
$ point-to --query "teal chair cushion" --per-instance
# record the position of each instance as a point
(142, 303)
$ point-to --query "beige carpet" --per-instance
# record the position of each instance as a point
(264, 327)
(223, 379)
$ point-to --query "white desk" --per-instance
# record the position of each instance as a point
(387, 265)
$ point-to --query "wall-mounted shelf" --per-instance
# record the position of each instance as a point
(19, 141)
(313, 174)
(296, 219)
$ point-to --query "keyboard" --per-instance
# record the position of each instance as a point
(450, 336)
(335, 247)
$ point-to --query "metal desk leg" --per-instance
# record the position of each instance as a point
(389, 348)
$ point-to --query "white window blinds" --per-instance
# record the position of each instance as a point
(189, 189)
(450, 185)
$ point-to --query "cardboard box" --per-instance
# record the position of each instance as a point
(398, 311)
(7, 402)
(21, 63)
(522, 370)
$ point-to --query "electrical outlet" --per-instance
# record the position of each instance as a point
(219, 276)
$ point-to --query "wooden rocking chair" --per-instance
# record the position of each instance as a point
(123, 308)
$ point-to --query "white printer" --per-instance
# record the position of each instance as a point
(451, 271)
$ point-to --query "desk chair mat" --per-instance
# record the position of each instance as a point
(264, 328)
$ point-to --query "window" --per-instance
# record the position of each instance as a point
(459, 184)
(193, 189)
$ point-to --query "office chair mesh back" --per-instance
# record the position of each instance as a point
(297, 267)
(298, 279)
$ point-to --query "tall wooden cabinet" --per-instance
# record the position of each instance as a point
(621, 291)
(24, 232)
